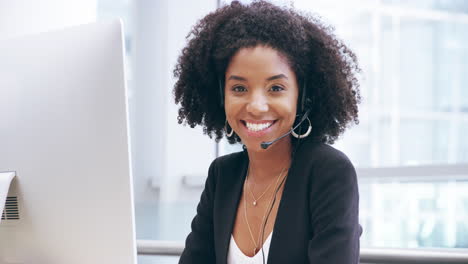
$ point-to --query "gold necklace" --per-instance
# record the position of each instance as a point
(270, 204)
(264, 215)
(251, 193)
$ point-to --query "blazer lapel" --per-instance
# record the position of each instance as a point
(284, 242)
(231, 192)
(281, 239)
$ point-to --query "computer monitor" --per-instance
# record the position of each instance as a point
(64, 132)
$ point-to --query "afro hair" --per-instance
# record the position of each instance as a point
(325, 67)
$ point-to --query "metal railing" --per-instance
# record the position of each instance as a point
(421, 173)
(368, 255)
(413, 256)
(159, 247)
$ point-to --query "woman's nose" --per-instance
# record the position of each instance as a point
(257, 104)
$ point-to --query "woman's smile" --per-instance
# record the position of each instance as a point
(258, 128)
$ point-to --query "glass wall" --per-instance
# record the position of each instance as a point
(414, 111)
(410, 213)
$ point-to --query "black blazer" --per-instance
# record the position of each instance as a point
(317, 219)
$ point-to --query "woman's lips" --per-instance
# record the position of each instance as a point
(258, 129)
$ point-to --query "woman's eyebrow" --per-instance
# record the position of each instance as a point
(274, 77)
(237, 78)
(278, 76)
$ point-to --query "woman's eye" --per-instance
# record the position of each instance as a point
(276, 88)
(239, 89)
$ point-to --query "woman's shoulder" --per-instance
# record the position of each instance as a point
(229, 163)
(324, 163)
(316, 152)
(225, 170)
(231, 159)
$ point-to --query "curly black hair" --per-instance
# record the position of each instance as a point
(323, 64)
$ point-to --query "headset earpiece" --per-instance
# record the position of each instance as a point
(221, 92)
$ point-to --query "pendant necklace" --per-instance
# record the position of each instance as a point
(264, 215)
(254, 203)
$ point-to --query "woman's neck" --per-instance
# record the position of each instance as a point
(267, 164)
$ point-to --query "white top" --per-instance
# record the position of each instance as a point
(236, 256)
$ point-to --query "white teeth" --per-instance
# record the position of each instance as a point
(258, 127)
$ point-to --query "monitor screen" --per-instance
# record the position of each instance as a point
(64, 133)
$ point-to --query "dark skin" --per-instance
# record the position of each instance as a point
(261, 92)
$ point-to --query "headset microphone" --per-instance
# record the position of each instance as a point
(267, 144)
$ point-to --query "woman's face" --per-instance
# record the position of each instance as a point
(260, 95)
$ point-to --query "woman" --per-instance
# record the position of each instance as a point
(281, 84)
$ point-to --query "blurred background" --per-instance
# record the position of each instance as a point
(409, 148)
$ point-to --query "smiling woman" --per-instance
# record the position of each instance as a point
(281, 84)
